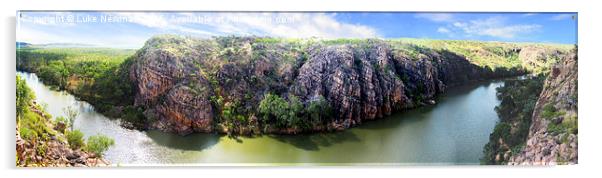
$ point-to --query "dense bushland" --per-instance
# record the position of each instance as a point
(96, 75)
(518, 99)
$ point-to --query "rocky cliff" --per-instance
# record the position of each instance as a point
(191, 85)
(553, 133)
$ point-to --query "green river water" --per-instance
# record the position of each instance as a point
(453, 131)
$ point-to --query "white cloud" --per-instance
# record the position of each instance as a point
(509, 31)
(298, 25)
(493, 27)
(436, 17)
(459, 24)
(528, 14)
(561, 17)
(443, 30)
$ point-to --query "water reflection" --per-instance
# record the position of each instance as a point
(453, 131)
(313, 142)
(196, 141)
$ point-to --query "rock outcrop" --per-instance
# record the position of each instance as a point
(553, 134)
(53, 151)
(56, 154)
(186, 84)
(170, 86)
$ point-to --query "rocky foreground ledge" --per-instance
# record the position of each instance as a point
(190, 85)
(58, 154)
(53, 151)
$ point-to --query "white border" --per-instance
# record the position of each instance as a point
(589, 29)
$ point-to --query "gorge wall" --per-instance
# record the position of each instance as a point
(190, 85)
(553, 133)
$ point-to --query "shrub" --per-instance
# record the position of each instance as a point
(71, 115)
(61, 123)
(568, 125)
(32, 122)
(502, 130)
(293, 113)
(134, 115)
(549, 111)
(98, 144)
(318, 109)
(75, 139)
(273, 106)
(27, 133)
(571, 124)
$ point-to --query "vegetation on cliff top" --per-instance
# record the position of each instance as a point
(493, 54)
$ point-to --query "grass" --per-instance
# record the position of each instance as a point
(550, 112)
(568, 125)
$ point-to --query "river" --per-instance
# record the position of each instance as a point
(453, 131)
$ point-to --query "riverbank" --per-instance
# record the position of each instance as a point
(436, 134)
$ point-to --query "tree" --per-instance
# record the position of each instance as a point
(56, 73)
(283, 113)
(24, 96)
(98, 144)
(71, 115)
(318, 109)
(295, 109)
(274, 107)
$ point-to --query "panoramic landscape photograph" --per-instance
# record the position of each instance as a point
(225, 88)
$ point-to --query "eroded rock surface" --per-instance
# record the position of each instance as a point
(185, 83)
(553, 136)
(170, 85)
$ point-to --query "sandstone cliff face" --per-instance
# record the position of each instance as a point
(370, 82)
(183, 83)
(170, 87)
(553, 134)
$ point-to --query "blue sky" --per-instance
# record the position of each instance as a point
(131, 29)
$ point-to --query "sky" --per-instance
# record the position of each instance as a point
(132, 29)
